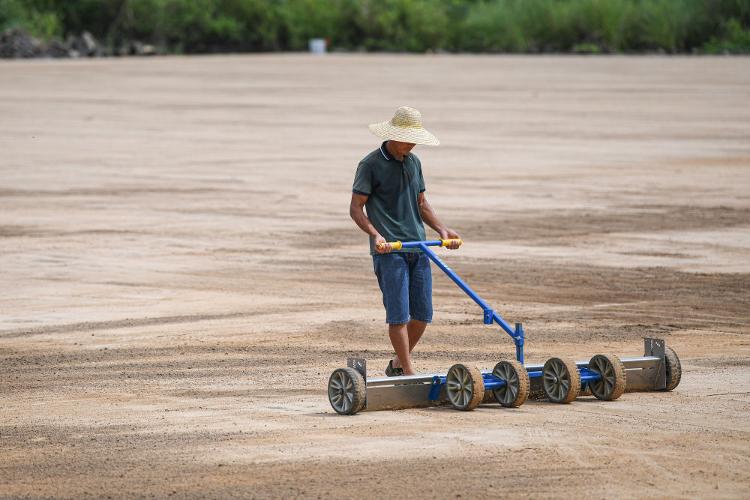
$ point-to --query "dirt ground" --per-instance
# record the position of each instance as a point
(179, 274)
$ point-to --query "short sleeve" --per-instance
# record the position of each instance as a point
(363, 180)
(422, 188)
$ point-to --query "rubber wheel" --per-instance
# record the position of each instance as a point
(611, 385)
(464, 387)
(561, 380)
(346, 391)
(515, 392)
(674, 369)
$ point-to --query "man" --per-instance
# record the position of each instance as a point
(389, 183)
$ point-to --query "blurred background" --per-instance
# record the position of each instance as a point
(63, 28)
(179, 274)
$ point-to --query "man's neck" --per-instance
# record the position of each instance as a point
(393, 153)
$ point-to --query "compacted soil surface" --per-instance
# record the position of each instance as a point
(179, 274)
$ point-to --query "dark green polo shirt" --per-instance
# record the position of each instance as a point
(393, 187)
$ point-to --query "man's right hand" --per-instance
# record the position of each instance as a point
(382, 246)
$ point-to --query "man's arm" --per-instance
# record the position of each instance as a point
(429, 216)
(356, 212)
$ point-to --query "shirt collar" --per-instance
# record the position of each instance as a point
(384, 151)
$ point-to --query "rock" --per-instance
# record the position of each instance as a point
(56, 48)
(90, 45)
(136, 48)
(84, 45)
(16, 43)
(147, 50)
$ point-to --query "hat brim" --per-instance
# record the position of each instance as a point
(414, 135)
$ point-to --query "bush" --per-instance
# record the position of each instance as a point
(589, 26)
(398, 25)
(35, 17)
(609, 25)
(491, 27)
(736, 40)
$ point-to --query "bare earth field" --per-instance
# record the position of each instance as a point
(179, 274)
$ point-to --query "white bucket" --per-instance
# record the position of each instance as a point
(317, 45)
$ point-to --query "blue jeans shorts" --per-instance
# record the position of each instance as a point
(405, 279)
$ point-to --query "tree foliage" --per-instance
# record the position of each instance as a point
(200, 26)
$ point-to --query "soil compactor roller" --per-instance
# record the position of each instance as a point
(511, 382)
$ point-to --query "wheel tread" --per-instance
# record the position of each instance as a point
(574, 377)
(523, 384)
(477, 393)
(358, 394)
(673, 367)
(620, 378)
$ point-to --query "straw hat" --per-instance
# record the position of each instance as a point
(405, 126)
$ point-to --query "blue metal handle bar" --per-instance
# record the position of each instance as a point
(490, 315)
(417, 244)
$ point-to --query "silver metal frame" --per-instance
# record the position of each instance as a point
(643, 373)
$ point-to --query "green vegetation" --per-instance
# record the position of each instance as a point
(579, 26)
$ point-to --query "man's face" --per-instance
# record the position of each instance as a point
(401, 148)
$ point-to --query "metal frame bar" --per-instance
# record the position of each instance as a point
(414, 391)
(490, 316)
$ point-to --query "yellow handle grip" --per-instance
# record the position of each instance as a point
(448, 242)
(395, 245)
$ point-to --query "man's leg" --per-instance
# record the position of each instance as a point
(392, 272)
(400, 339)
(420, 299)
(414, 329)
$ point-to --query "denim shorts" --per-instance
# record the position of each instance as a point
(406, 282)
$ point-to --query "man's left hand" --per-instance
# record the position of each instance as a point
(450, 234)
